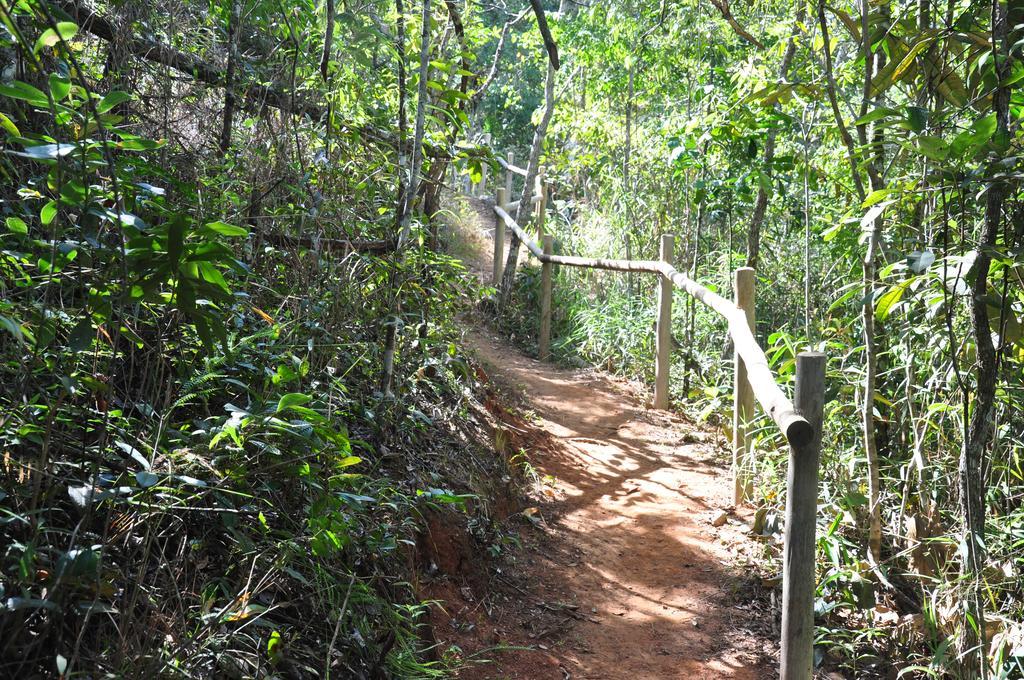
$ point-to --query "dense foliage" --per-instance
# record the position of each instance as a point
(864, 157)
(227, 397)
(231, 375)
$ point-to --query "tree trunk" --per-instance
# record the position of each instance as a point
(325, 58)
(421, 111)
(761, 203)
(229, 77)
(525, 202)
(979, 431)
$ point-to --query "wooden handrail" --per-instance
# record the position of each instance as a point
(514, 168)
(773, 400)
(515, 204)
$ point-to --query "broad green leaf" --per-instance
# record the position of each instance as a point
(905, 64)
(65, 30)
(875, 196)
(933, 147)
(917, 118)
(7, 124)
(877, 114)
(25, 92)
(134, 453)
(225, 229)
(59, 87)
(82, 335)
(17, 225)
(890, 298)
(211, 274)
(873, 214)
(920, 261)
(292, 399)
(111, 100)
(48, 212)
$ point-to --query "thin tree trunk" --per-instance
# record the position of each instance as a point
(872, 62)
(325, 58)
(525, 202)
(229, 77)
(979, 433)
(830, 88)
(403, 125)
(402, 200)
(421, 110)
(761, 203)
(627, 180)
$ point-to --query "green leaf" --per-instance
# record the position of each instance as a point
(875, 196)
(225, 229)
(349, 461)
(11, 327)
(134, 453)
(25, 92)
(65, 30)
(890, 298)
(111, 100)
(82, 335)
(933, 147)
(7, 124)
(211, 274)
(911, 55)
(17, 225)
(873, 214)
(877, 114)
(292, 399)
(48, 212)
(59, 87)
(917, 118)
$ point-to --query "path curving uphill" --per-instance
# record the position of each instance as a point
(630, 578)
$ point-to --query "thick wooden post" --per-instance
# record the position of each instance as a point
(743, 395)
(797, 657)
(544, 343)
(500, 200)
(663, 337)
(508, 173)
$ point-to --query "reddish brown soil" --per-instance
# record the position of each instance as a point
(623, 575)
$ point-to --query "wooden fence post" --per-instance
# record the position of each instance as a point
(544, 343)
(743, 395)
(801, 511)
(508, 173)
(500, 200)
(663, 337)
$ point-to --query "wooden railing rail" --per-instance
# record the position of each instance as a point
(507, 164)
(773, 400)
(800, 422)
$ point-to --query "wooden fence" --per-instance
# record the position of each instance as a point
(800, 420)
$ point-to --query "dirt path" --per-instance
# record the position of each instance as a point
(626, 576)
